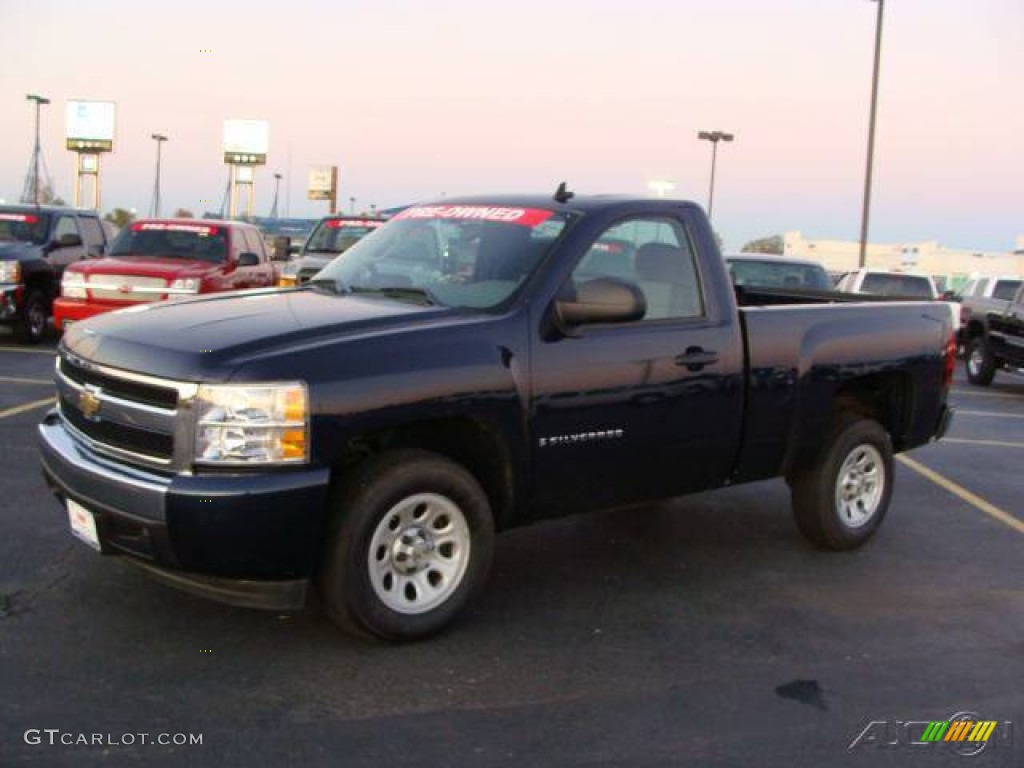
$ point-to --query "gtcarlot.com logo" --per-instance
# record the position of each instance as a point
(964, 733)
(56, 737)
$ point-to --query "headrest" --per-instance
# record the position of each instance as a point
(658, 262)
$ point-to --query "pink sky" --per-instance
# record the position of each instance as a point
(415, 99)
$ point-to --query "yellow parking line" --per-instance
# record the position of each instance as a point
(16, 380)
(29, 351)
(997, 414)
(26, 407)
(962, 493)
(994, 443)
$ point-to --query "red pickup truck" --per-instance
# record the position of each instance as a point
(158, 259)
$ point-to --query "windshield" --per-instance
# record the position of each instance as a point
(172, 241)
(338, 235)
(776, 274)
(17, 227)
(458, 256)
(884, 284)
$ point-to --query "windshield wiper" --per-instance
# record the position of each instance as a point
(423, 295)
(323, 250)
(330, 284)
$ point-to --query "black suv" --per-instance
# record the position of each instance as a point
(36, 244)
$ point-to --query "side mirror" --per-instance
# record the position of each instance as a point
(248, 259)
(69, 240)
(949, 296)
(602, 300)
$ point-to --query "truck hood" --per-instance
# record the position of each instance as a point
(207, 339)
(149, 266)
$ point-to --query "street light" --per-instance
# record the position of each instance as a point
(866, 210)
(39, 101)
(352, 206)
(159, 139)
(714, 137)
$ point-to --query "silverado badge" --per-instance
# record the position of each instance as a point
(89, 403)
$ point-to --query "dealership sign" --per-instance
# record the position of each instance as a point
(246, 142)
(90, 126)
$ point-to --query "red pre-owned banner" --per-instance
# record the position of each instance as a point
(524, 217)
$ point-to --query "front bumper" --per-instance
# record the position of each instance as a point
(244, 539)
(66, 311)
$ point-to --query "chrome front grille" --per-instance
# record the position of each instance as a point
(126, 287)
(140, 419)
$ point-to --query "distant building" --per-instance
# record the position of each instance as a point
(949, 266)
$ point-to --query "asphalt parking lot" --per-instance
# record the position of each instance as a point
(703, 631)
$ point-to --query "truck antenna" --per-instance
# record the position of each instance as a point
(563, 195)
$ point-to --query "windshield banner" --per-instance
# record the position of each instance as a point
(362, 223)
(161, 226)
(524, 217)
(27, 218)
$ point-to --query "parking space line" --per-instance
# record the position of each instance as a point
(963, 494)
(996, 414)
(16, 380)
(979, 393)
(26, 407)
(29, 351)
(993, 443)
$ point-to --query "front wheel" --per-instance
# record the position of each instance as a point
(408, 547)
(981, 364)
(31, 326)
(841, 499)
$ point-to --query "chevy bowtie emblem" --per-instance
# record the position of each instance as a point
(89, 403)
(124, 288)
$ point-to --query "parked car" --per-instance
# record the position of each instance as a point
(332, 236)
(765, 270)
(885, 283)
(1002, 288)
(158, 259)
(992, 333)
(37, 243)
(475, 365)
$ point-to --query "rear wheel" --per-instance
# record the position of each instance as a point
(841, 499)
(981, 364)
(409, 546)
(31, 326)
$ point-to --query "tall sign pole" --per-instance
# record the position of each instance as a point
(90, 133)
(866, 210)
(245, 147)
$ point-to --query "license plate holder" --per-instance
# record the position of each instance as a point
(83, 524)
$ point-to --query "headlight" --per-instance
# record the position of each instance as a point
(72, 285)
(252, 424)
(185, 285)
(10, 271)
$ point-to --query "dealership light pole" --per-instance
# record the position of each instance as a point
(159, 138)
(714, 137)
(277, 187)
(30, 194)
(866, 210)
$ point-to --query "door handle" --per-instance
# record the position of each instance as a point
(695, 358)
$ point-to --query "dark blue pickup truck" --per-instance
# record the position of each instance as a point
(471, 366)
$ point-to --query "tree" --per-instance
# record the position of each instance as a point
(120, 218)
(771, 244)
(184, 213)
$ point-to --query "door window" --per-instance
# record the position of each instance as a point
(655, 255)
(93, 234)
(65, 226)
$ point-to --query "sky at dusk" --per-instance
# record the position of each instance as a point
(414, 99)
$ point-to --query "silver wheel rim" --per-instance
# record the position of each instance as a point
(975, 361)
(36, 319)
(419, 553)
(859, 486)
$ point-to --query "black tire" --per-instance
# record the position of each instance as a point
(381, 490)
(30, 327)
(980, 363)
(835, 523)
